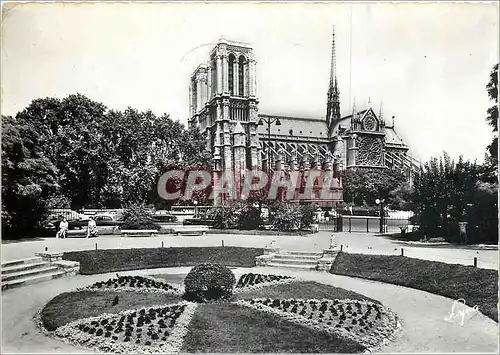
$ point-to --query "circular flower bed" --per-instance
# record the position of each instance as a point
(163, 328)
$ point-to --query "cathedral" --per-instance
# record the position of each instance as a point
(223, 104)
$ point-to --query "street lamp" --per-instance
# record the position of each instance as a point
(380, 202)
(195, 208)
(269, 121)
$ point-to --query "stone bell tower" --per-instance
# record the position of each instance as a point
(223, 104)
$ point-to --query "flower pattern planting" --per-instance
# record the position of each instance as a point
(133, 283)
(253, 281)
(364, 322)
(158, 329)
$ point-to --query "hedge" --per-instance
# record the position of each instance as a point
(109, 260)
(476, 286)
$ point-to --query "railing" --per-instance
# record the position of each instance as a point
(364, 224)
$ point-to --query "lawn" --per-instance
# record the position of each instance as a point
(229, 328)
(110, 260)
(174, 279)
(476, 286)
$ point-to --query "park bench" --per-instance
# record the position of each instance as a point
(190, 230)
(138, 232)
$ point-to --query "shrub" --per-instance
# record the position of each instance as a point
(224, 217)
(137, 216)
(286, 217)
(207, 282)
(307, 213)
(249, 217)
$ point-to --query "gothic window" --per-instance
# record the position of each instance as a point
(214, 78)
(369, 123)
(241, 76)
(195, 97)
(232, 59)
(370, 151)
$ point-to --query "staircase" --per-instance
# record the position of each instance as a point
(301, 260)
(24, 272)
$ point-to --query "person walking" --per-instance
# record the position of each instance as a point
(91, 228)
(63, 229)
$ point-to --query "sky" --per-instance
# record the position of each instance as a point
(428, 63)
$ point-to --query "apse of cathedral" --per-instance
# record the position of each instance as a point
(224, 105)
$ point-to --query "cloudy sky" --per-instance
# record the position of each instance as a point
(427, 63)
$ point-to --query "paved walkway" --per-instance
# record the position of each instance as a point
(364, 243)
(422, 314)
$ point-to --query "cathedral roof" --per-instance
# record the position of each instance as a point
(392, 138)
(295, 126)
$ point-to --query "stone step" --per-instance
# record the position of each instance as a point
(21, 261)
(297, 257)
(295, 261)
(302, 253)
(292, 266)
(32, 279)
(22, 267)
(29, 273)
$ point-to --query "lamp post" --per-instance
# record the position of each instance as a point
(269, 121)
(195, 208)
(380, 202)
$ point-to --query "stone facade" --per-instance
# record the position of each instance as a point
(224, 105)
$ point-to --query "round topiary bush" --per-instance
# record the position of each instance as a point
(209, 282)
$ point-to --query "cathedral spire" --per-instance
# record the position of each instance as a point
(333, 102)
(333, 64)
(381, 114)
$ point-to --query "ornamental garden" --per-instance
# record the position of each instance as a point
(212, 310)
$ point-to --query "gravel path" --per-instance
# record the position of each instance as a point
(422, 314)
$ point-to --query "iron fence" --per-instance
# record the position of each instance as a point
(365, 224)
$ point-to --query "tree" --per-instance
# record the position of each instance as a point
(445, 193)
(492, 114)
(71, 140)
(28, 178)
(363, 187)
(400, 197)
(109, 158)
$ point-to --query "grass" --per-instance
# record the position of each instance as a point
(476, 286)
(303, 289)
(109, 260)
(174, 279)
(229, 328)
(70, 306)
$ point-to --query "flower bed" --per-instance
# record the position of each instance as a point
(133, 283)
(367, 323)
(253, 281)
(345, 321)
(147, 330)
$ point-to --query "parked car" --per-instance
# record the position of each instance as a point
(101, 219)
(107, 220)
(164, 216)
